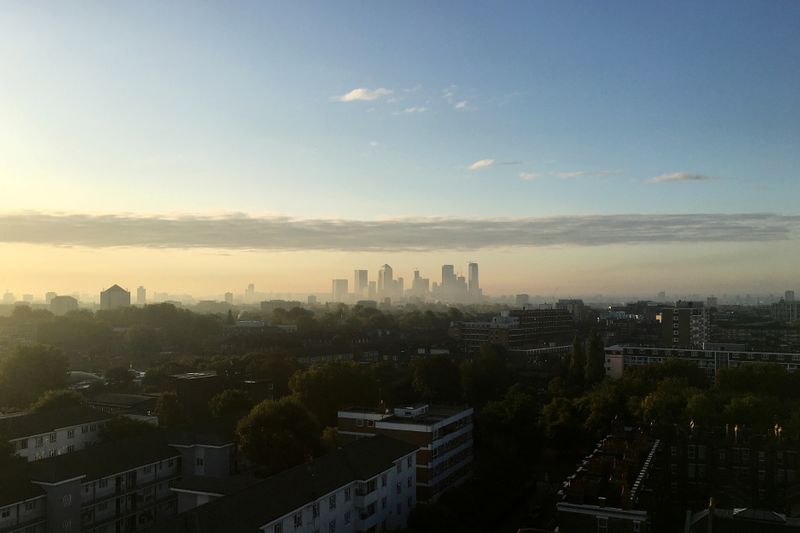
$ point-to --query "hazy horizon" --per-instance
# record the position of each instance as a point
(569, 150)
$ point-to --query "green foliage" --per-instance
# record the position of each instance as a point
(30, 372)
(118, 377)
(577, 363)
(561, 423)
(666, 405)
(602, 405)
(279, 434)
(486, 376)
(230, 402)
(595, 369)
(122, 428)
(279, 368)
(169, 411)
(325, 389)
(437, 379)
(57, 399)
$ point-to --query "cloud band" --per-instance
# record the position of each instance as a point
(238, 231)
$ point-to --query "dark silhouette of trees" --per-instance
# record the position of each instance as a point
(230, 402)
(486, 376)
(122, 428)
(577, 364)
(437, 379)
(325, 389)
(279, 434)
(595, 359)
(169, 411)
(30, 372)
(58, 399)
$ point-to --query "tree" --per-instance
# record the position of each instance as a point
(57, 399)
(666, 405)
(118, 376)
(30, 372)
(230, 402)
(122, 428)
(325, 389)
(561, 424)
(595, 359)
(437, 379)
(577, 363)
(486, 376)
(279, 434)
(169, 410)
(275, 367)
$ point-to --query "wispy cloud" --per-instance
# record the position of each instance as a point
(456, 101)
(415, 109)
(529, 176)
(242, 232)
(481, 163)
(363, 94)
(575, 174)
(679, 176)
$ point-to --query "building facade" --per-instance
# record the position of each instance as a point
(114, 297)
(443, 435)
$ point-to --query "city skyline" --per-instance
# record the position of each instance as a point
(570, 150)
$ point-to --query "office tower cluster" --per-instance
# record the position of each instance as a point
(453, 287)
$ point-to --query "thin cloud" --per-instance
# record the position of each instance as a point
(576, 174)
(363, 94)
(481, 163)
(415, 109)
(679, 176)
(242, 232)
(529, 176)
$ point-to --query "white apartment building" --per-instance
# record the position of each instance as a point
(369, 485)
(46, 434)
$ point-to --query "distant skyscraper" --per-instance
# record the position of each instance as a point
(8, 298)
(361, 283)
(229, 298)
(373, 290)
(312, 300)
(141, 296)
(788, 296)
(448, 275)
(473, 285)
(522, 300)
(712, 302)
(250, 293)
(49, 297)
(114, 297)
(339, 290)
(27, 298)
(385, 280)
(662, 296)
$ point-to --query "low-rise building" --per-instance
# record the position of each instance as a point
(711, 360)
(516, 328)
(443, 436)
(36, 436)
(115, 487)
(368, 485)
(23, 506)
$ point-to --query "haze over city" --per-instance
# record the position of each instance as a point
(198, 148)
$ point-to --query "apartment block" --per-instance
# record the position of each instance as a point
(23, 505)
(442, 435)
(714, 357)
(46, 434)
(368, 485)
(110, 488)
(684, 326)
(517, 329)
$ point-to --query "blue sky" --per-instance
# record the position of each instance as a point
(573, 107)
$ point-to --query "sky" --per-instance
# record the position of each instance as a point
(569, 147)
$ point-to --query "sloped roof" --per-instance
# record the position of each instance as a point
(253, 507)
(16, 427)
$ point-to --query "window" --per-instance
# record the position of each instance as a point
(39, 442)
(602, 524)
(409, 482)
(70, 433)
(52, 437)
(103, 483)
(52, 453)
(399, 487)
(22, 444)
(347, 517)
(399, 467)
(298, 520)
(332, 526)
(30, 506)
(409, 459)
(92, 427)
(383, 480)
(171, 462)
(102, 506)
(399, 508)
(637, 527)
(410, 502)
(148, 469)
(278, 528)
(360, 422)
(66, 525)
(5, 513)
(199, 461)
(383, 502)
(66, 500)
(70, 448)
(370, 423)
(347, 494)
(84, 429)
(332, 502)
(315, 509)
